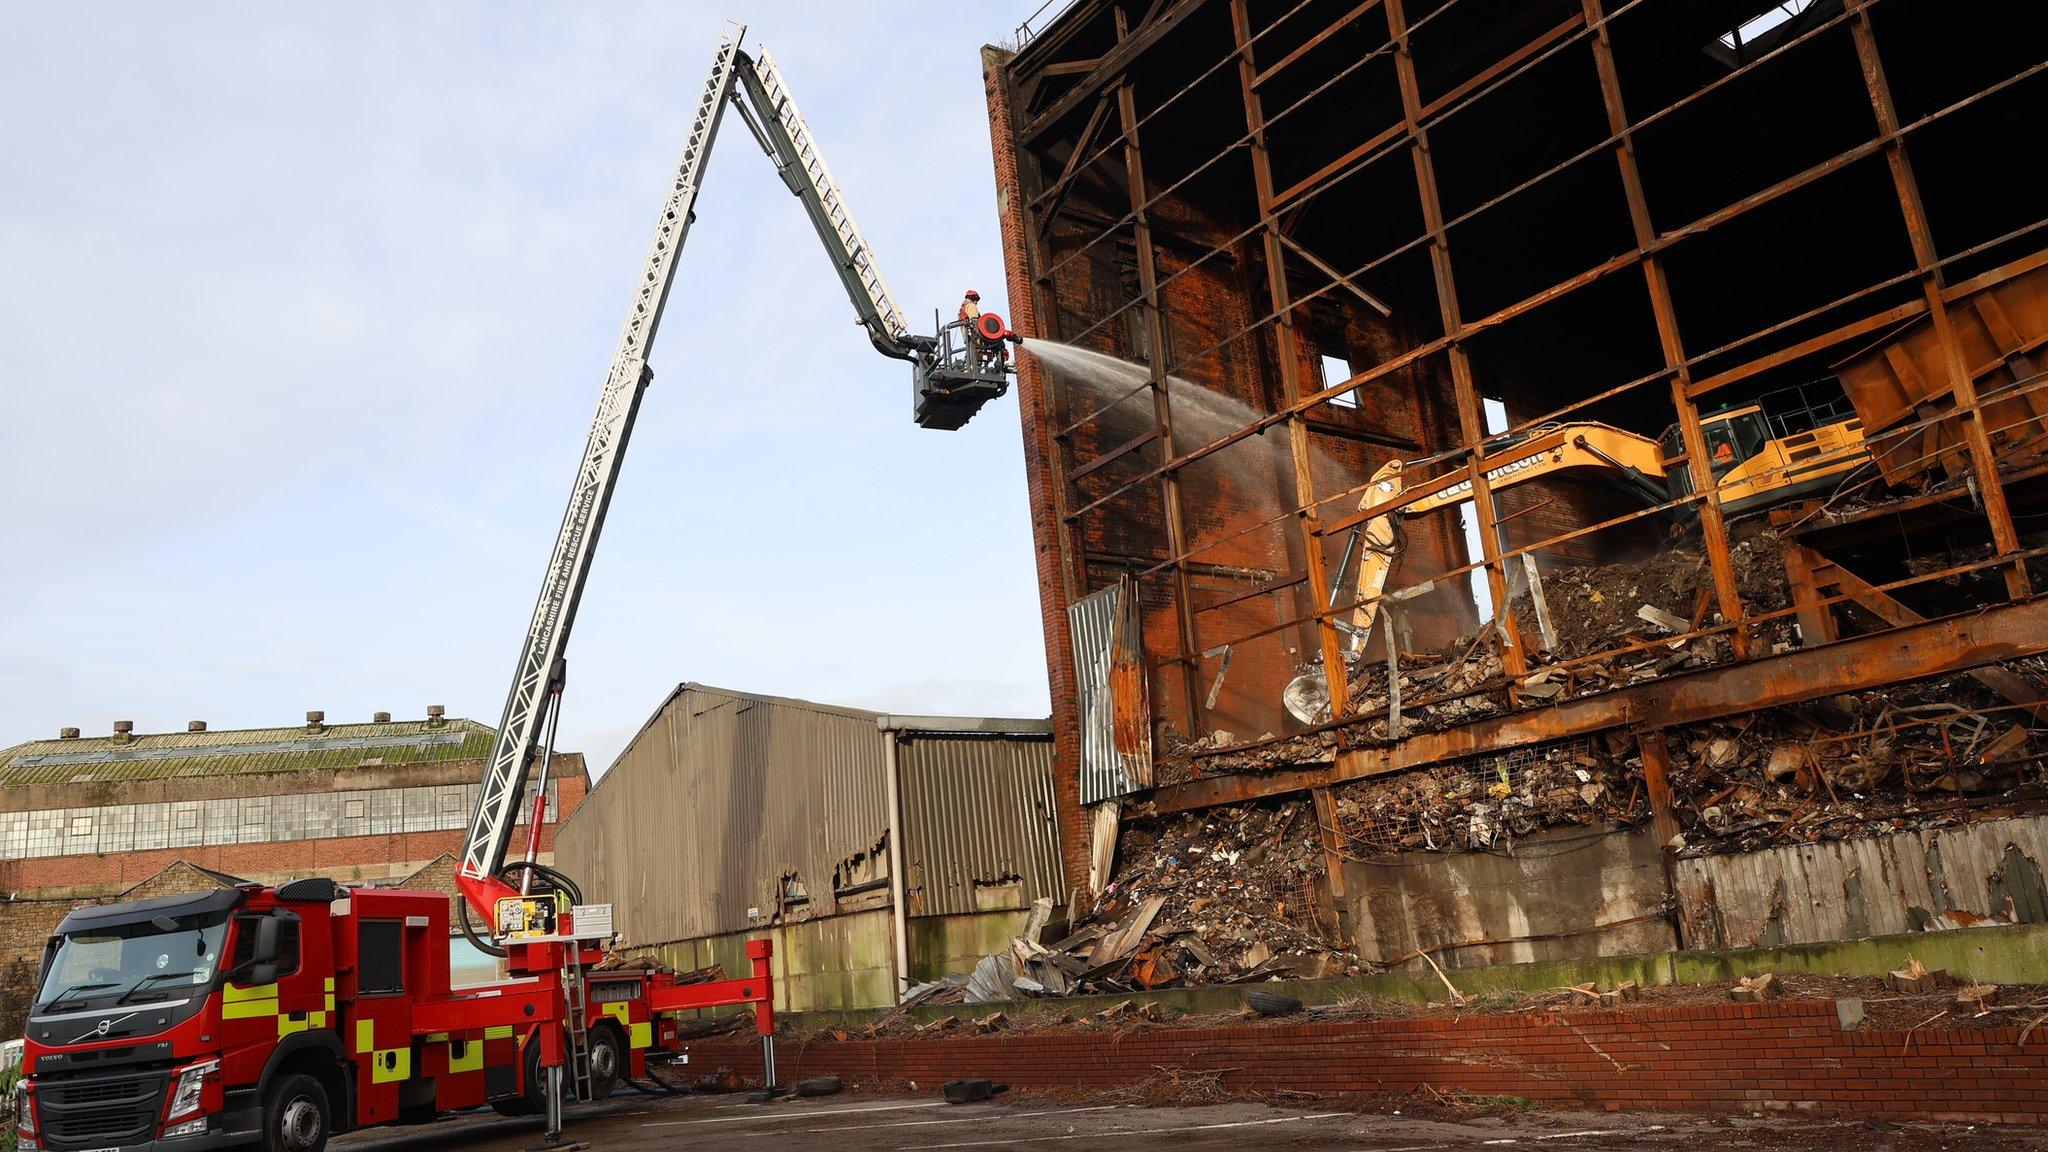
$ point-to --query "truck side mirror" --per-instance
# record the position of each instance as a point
(265, 950)
(255, 974)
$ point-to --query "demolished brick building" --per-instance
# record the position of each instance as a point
(1261, 250)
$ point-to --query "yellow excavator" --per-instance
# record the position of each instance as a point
(1763, 454)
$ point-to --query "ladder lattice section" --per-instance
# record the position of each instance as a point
(807, 157)
(498, 802)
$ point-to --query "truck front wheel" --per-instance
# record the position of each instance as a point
(295, 1116)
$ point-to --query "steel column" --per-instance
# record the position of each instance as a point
(1471, 423)
(1983, 464)
(1713, 528)
(1162, 403)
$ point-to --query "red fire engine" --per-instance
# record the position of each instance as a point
(277, 1016)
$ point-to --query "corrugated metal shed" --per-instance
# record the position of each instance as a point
(1874, 886)
(246, 751)
(979, 823)
(724, 798)
(1109, 677)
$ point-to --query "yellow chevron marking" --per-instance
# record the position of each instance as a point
(470, 1059)
(390, 1064)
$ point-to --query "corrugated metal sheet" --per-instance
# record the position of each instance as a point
(722, 794)
(1109, 675)
(248, 751)
(980, 828)
(1879, 885)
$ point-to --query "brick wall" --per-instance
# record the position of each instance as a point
(1033, 406)
(1714, 1058)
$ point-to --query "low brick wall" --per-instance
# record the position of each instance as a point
(1714, 1058)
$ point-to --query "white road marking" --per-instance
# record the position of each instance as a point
(1576, 1135)
(977, 1118)
(804, 1115)
(1138, 1131)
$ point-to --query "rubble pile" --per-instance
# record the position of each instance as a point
(1224, 896)
(1607, 618)
(1488, 802)
(1850, 765)
(1600, 608)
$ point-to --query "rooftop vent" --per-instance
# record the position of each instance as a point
(437, 715)
(381, 718)
(124, 731)
(316, 721)
(67, 733)
(195, 725)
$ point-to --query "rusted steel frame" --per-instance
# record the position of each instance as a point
(1255, 592)
(1445, 113)
(1314, 42)
(1702, 633)
(1338, 609)
(1288, 349)
(1162, 404)
(1656, 757)
(1713, 529)
(1464, 389)
(1371, 301)
(1129, 46)
(1855, 328)
(1420, 351)
(1888, 609)
(1816, 621)
(1116, 453)
(1808, 347)
(1325, 803)
(1110, 229)
(1624, 260)
(1657, 782)
(1067, 67)
(1048, 204)
(2003, 632)
(1424, 490)
(1512, 61)
(1343, 726)
(1989, 490)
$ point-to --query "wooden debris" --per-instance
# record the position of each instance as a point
(942, 1024)
(1976, 998)
(1755, 988)
(1915, 978)
(993, 1022)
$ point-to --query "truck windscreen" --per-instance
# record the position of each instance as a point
(132, 963)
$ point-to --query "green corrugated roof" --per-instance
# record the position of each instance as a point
(246, 751)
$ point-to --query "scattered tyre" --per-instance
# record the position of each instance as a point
(1271, 1003)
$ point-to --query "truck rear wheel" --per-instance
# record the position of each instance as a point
(295, 1116)
(607, 1061)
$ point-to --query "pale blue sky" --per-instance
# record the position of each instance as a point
(303, 311)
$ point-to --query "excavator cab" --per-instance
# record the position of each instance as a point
(1732, 436)
(966, 366)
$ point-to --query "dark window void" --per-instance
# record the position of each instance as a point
(381, 965)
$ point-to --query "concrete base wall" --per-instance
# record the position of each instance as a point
(1579, 892)
(849, 962)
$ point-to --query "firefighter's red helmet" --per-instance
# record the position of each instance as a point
(973, 295)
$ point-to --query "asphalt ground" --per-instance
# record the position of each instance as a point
(888, 1123)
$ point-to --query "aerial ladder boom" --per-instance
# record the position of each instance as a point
(535, 681)
(954, 372)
